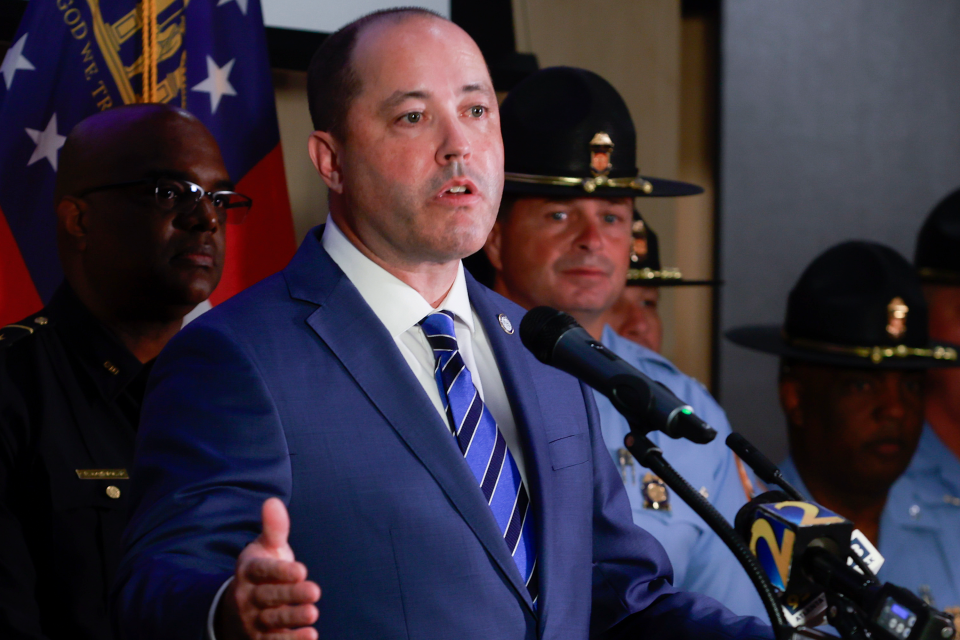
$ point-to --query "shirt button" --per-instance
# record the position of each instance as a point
(113, 492)
(40, 320)
(914, 511)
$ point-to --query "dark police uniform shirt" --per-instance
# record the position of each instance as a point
(70, 397)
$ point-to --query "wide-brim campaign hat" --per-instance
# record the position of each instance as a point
(937, 255)
(645, 269)
(859, 304)
(568, 133)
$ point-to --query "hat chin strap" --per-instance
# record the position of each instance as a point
(589, 184)
(874, 354)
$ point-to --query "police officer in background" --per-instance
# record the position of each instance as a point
(854, 350)
(934, 473)
(635, 314)
(142, 196)
(563, 238)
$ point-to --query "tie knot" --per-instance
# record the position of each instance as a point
(438, 327)
(439, 323)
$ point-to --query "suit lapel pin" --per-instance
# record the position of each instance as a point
(505, 323)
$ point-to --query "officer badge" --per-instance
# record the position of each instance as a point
(655, 493)
(897, 318)
(639, 248)
(601, 146)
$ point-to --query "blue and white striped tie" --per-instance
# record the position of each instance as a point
(483, 447)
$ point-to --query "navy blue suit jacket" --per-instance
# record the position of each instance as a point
(295, 389)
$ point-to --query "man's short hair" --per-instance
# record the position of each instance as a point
(332, 83)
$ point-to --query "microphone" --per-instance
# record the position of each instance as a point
(864, 556)
(556, 339)
(761, 464)
(779, 531)
(803, 549)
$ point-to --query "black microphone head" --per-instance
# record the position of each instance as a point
(541, 328)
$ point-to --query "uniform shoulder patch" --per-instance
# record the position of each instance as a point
(18, 330)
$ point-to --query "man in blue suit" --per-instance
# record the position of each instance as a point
(435, 479)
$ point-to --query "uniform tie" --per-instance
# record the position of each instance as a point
(483, 446)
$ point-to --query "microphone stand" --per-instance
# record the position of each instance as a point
(650, 456)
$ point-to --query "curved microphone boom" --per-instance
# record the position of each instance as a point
(556, 339)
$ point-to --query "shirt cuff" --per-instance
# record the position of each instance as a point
(213, 608)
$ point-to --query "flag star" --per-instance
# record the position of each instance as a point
(14, 61)
(48, 143)
(240, 3)
(217, 83)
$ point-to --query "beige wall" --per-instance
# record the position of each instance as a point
(695, 216)
(308, 194)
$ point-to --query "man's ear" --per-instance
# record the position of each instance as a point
(790, 400)
(72, 219)
(325, 154)
(492, 246)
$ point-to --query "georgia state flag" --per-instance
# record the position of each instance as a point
(72, 58)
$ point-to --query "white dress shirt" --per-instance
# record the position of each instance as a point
(400, 308)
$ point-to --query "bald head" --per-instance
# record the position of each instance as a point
(111, 145)
(119, 248)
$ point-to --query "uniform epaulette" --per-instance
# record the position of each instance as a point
(13, 332)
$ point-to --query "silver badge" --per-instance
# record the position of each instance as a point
(505, 323)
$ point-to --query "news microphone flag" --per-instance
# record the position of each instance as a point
(72, 58)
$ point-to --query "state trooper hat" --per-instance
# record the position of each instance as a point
(645, 269)
(859, 304)
(568, 133)
(937, 256)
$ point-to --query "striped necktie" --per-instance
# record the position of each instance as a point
(483, 447)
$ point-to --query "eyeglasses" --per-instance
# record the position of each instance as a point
(182, 196)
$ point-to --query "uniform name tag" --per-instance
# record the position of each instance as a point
(102, 474)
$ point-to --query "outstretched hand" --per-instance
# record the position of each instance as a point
(270, 597)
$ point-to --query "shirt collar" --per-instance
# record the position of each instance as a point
(397, 305)
(933, 455)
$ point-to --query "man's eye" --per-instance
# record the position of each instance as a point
(477, 111)
(558, 215)
(167, 193)
(413, 117)
(611, 218)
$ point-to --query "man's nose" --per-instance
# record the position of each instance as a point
(455, 143)
(202, 217)
(589, 237)
(893, 396)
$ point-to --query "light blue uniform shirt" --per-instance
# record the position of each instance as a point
(701, 561)
(920, 524)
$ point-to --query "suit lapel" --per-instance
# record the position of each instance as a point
(350, 329)
(511, 357)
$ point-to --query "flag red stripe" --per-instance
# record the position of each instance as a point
(18, 296)
(265, 242)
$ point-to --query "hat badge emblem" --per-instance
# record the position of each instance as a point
(601, 146)
(639, 248)
(897, 318)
